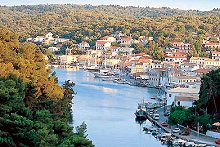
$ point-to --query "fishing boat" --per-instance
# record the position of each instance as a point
(141, 112)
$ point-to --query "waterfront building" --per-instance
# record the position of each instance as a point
(185, 101)
(182, 92)
(188, 67)
(201, 72)
(181, 80)
(67, 59)
(112, 63)
(137, 67)
(158, 77)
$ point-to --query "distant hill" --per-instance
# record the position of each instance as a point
(93, 22)
(117, 10)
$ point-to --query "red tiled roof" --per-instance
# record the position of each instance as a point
(83, 42)
(179, 53)
(175, 56)
(144, 60)
(215, 52)
(59, 45)
(113, 47)
(40, 36)
(140, 54)
(211, 43)
(101, 42)
(177, 43)
(160, 69)
(126, 39)
(202, 70)
(105, 38)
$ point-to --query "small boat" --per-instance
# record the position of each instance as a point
(141, 113)
(103, 74)
(92, 68)
(153, 97)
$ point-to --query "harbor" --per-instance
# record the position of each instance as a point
(174, 135)
(151, 104)
(108, 109)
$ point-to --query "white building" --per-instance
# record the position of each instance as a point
(126, 41)
(158, 77)
(185, 101)
(182, 47)
(49, 35)
(67, 59)
(182, 92)
(215, 55)
(53, 49)
(109, 39)
(102, 45)
(205, 62)
(84, 45)
(188, 67)
(121, 50)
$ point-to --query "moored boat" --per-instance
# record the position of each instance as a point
(92, 68)
(141, 112)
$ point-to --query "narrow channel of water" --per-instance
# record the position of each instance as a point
(108, 110)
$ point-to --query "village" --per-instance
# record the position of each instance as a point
(178, 74)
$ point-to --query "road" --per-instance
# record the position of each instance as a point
(193, 136)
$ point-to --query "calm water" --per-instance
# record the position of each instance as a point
(108, 110)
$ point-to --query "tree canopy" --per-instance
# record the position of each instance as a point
(34, 109)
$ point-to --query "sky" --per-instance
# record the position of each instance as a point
(203, 5)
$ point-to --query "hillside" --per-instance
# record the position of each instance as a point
(117, 10)
(77, 22)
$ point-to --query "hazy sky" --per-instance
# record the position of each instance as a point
(181, 4)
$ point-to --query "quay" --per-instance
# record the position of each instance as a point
(193, 137)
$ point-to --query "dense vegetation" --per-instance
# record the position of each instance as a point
(92, 22)
(35, 110)
(206, 110)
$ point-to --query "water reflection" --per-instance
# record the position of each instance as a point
(108, 110)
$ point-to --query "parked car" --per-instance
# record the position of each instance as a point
(151, 113)
(217, 141)
(176, 130)
(166, 114)
(164, 124)
(189, 144)
(156, 116)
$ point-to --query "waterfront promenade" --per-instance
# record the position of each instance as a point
(194, 136)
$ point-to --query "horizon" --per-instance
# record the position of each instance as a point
(201, 5)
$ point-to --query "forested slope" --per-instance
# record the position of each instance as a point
(34, 109)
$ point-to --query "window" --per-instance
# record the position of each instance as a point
(170, 95)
